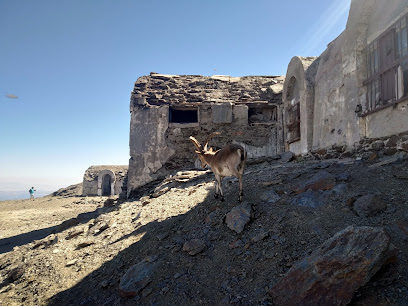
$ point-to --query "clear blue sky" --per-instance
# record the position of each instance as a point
(72, 65)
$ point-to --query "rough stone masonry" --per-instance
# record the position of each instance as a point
(167, 109)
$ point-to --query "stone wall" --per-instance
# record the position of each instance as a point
(372, 149)
(93, 180)
(246, 110)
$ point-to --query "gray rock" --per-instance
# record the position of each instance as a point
(236, 244)
(392, 141)
(320, 181)
(137, 278)
(287, 157)
(332, 273)
(310, 198)
(322, 165)
(340, 189)
(74, 233)
(260, 236)
(403, 146)
(343, 177)
(377, 145)
(238, 217)
(71, 262)
(390, 151)
(194, 246)
(369, 205)
(270, 196)
(83, 245)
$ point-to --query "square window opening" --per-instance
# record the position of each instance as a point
(182, 115)
(265, 115)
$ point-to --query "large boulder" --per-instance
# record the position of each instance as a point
(333, 272)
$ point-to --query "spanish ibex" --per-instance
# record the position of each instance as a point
(228, 161)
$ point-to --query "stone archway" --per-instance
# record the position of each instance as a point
(106, 183)
(293, 111)
(298, 100)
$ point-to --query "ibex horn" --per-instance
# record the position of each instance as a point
(209, 138)
(197, 144)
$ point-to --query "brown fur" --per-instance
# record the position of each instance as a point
(228, 161)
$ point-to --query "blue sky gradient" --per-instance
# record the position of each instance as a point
(72, 65)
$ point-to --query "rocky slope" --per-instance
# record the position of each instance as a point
(343, 222)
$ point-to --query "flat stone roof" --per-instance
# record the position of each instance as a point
(159, 89)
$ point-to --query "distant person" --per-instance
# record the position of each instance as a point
(31, 191)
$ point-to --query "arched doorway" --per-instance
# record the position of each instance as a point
(293, 111)
(106, 185)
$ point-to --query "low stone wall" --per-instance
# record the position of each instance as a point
(368, 148)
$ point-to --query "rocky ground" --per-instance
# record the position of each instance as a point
(180, 246)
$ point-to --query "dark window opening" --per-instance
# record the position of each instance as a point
(294, 123)
(387, 67)
(183, 115)
(261, 115)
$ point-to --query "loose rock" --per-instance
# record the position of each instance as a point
(310, 198)
(270, 196)
(369, 205)
(238, 217)
(332, 273)
(137, 278)
(287, 157)
(194, 246)
(320, 181)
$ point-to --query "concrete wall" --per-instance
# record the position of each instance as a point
(148, 148)
(387, 122)
(336, 96)
(383, 15)
(337, 88)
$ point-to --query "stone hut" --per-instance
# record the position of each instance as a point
(105, 180)
(357, 89)
(167, 109)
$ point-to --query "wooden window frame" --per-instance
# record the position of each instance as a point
(294, 123)
(387, 68)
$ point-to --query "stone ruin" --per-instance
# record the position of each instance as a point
(105, 181)
(167, 109)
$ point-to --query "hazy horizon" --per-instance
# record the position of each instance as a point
(13, 188)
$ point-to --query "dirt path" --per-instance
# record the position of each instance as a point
(23, 221)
